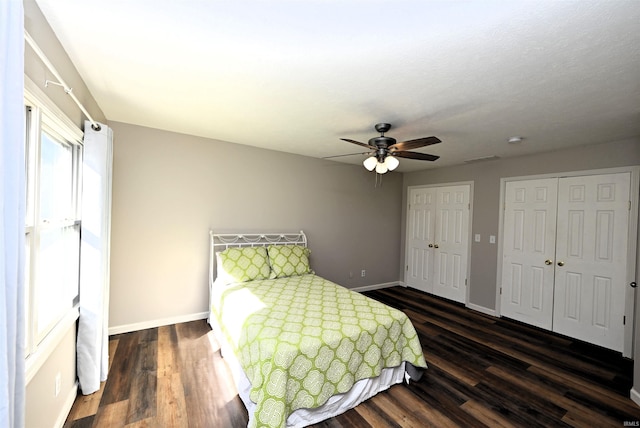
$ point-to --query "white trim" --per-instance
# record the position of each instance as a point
(127, 328)
(66, 406)
(375, 286)
(481, 309)
(46, 347)
(635, 396)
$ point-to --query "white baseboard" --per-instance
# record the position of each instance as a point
(126, 328)
(375, 286)
(482, 309)
(66, 408)
(635, 396)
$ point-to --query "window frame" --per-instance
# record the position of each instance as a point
(42, 115)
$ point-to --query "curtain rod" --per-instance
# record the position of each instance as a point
(95, 125)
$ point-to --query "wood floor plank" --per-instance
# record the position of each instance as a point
(483, 372)
(121, 373)
(112, 415)
(142, 405)
(173, 411)
(487, 416)
(167, 351)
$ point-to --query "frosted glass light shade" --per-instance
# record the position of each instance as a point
(370, 163)
(381, 168)
(391, 163)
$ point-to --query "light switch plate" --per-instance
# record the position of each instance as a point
(492, 239)
(477, 237)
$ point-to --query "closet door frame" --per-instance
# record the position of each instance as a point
(469, 227)
(633, 261)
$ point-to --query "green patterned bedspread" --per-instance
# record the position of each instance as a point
(302, 339)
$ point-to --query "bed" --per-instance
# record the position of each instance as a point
(301, 348)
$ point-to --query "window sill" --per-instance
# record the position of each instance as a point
(34, 362)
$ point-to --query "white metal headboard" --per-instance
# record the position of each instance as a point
(222, 241)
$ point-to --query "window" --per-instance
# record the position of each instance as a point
(52, 232)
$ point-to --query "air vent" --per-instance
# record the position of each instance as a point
(483, 159)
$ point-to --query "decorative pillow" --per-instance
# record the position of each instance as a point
(289, 260)
(243, 264)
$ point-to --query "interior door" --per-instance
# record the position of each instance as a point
(591, 258)
(529, 240)
(420, 230)
(451, 242)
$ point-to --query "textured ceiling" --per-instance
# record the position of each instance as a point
(297, 76)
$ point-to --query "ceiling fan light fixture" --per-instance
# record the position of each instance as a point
(370, 163)
(381, 168)
(391, 163)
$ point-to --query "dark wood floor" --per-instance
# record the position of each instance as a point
(483, 371)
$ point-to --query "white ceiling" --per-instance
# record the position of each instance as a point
(297, 76)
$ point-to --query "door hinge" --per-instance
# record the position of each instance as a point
(624, 320)
(501, 291)
(407, 269)
(465, 281)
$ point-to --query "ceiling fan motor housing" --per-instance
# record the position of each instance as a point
(382, 142)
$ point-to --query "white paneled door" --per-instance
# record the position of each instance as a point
(420, 238)
(565, 255)
(529, 245)
(438, 240)
(591, 258)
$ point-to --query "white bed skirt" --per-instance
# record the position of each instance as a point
(362, 390)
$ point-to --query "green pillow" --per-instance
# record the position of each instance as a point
(289, 260)
(243, 264)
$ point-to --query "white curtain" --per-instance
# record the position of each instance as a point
(12, 214)
(93, 341)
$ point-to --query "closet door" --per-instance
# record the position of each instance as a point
(529, 240)
(420, 230)
(451, 243)
(591, 258)
(438, 240)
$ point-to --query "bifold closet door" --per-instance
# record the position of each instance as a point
(591, 258)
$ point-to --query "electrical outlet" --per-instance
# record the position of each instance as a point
(363, 273)
(58, 384)
(492, 239)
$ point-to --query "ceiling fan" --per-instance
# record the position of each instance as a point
(384, 150)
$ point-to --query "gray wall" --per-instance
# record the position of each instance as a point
(43, 408)
(486, 196)
(169, 189)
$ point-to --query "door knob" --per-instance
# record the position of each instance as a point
(560, 263)
(435, 246)
(430, 245)
(548, 262)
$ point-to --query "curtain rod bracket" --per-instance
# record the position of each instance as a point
(66, 89)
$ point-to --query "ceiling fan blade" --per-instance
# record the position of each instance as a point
(415, 155)
(357, 142)
(414, 144)
(348, 154)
